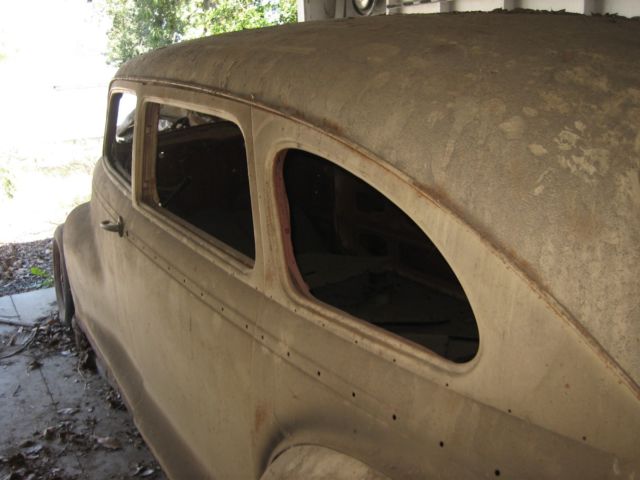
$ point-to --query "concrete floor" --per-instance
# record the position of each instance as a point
(58, 421)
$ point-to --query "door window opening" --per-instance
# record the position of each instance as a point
(119, 144)
(202, 175)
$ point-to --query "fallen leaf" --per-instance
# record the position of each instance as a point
(68, 411)
(33, 365)
(110, 443)
(49, 433)
(33, 450)
(143, 471)
(115, 400)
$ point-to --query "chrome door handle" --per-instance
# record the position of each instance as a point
(109, 226)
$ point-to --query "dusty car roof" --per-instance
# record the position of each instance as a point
(525, 125)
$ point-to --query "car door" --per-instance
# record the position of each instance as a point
(190, 283)
(92, 231)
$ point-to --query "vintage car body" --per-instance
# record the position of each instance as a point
(511, 140)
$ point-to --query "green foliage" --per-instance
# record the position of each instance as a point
(142, 25)
(47, 280)
(232, 15)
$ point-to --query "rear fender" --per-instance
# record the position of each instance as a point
(312, 462)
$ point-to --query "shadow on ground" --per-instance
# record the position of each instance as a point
(58, 418)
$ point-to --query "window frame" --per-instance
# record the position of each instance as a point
(146, 199)
(297, 279)
(119, 88)
(286, 134)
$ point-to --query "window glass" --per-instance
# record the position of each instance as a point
(202, 177)
(120, 132)
(358, 252)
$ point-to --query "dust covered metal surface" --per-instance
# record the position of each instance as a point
(527, 126)
(373, 253)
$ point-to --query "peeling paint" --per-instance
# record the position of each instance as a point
(513, 128)
(628, 187)
(592, 162)
(566, 140)
(537, 150)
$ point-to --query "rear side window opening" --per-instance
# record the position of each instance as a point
(201, 175)
(359, 253)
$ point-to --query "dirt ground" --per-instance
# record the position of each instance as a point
(25, 266)
(60, 419)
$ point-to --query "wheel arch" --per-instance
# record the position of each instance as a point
(64, 298)
(314, 462)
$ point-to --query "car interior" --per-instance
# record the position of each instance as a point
(358, 252)
(202, 178)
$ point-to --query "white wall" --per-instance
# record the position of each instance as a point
(324, 9)
(626, 8)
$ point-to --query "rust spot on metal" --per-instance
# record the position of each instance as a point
(285, 226)
(324, 124)
(524, 266)
(331, 126)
